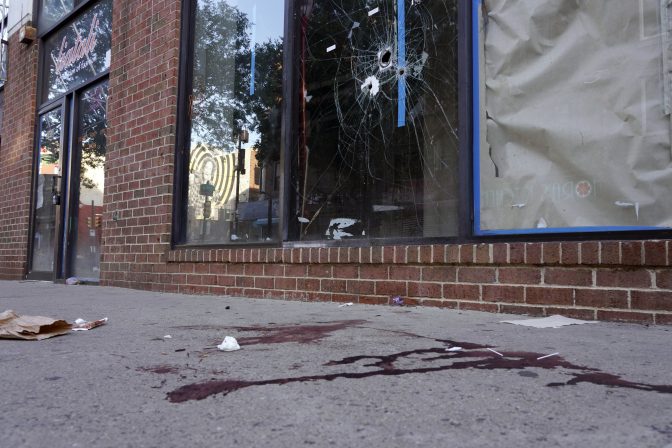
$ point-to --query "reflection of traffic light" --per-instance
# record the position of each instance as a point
(99, 221)
(88, 222)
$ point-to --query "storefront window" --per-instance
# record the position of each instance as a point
(51, 11)
(79, 51)
(575, 104)
(235, 109)
(378, 146)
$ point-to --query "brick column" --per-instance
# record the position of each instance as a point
(16, 157)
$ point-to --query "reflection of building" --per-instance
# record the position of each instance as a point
(413, 209)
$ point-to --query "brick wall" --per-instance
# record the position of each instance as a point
(141, 140)
(16, 157)
(621, 281)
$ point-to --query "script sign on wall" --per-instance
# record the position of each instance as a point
(79, 51)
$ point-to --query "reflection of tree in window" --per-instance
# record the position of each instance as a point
(93, 125)
(378, 141)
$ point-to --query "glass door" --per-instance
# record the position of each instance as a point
(47, 200)
(88, 184)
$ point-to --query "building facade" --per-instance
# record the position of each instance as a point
(495, 155)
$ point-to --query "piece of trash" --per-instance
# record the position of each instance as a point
(167, 337)
(555, 321)
(303, 220)
(227, 307)
(229, 344)
(31, 328)
(181, 350)
(373, 11)
(548, 356)
(331, 48)
(454, 349)
(83, 325)
(495, 352)
(345, 304)
(542, 224)
(518, 205)
(72, 281)
(397, 301)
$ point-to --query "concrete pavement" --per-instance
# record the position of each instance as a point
(319, 375)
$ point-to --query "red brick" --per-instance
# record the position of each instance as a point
(570, 253)
(308, 284)
(274, 270)
(664, 278)
(334, 286)
(264, 282)
(400, 254)
(520, 276)
(373, 272)
(388, 254)
(533, 253)
(452, 253)
(346, 271)
(466, 253)
(296, 270)
(376, 254)
(550, 296)
(663, 319)
(624, 278)
(601, 298)
(373, 300)
(631, 253)
(461, 292)
(517, 253)
(425, 254)
(438, 254)
(254, 269)
(568, 276)
(551, 253)
(655, 253)
(651, 300)
(360, 287)
(479, 306)
(245, 282)
(235, 269)
(319, 270)
(500, 253)
(412, 254)
(625, 316)
(482, 254)
(518, 309)
(404, 273)
(423, 289)
(498, 293)
(610, 252)
(452, 304)
(439, 274)
(226, 280)
(365, 255)
(391, 288)
(590, 253)
(476, 275)
(285, 283)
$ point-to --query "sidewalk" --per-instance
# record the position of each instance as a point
(316, 374)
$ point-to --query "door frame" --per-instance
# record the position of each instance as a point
(69, 104)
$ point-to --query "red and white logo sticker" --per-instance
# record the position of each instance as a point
(583, 189)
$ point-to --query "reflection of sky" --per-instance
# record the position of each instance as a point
(270, 16)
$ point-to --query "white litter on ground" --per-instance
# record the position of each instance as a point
(495, 352)
(454, 349)
(555, 321)
(229, 344)
(345, 304)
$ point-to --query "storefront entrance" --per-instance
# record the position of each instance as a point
(70, 187)
(69, 181)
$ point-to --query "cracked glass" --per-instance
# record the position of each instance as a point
(377, 149)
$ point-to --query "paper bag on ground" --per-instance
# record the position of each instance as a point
(13, 326)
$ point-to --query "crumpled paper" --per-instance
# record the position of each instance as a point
(32, 328)
(229, 344)
(83, 325)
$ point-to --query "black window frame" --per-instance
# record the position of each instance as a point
(468, 68)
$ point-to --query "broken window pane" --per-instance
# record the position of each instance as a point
(235, 110)
(377, 150)
(575, 115)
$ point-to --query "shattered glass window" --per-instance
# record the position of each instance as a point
(235, 106)
(575, 104)
(377, 146)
